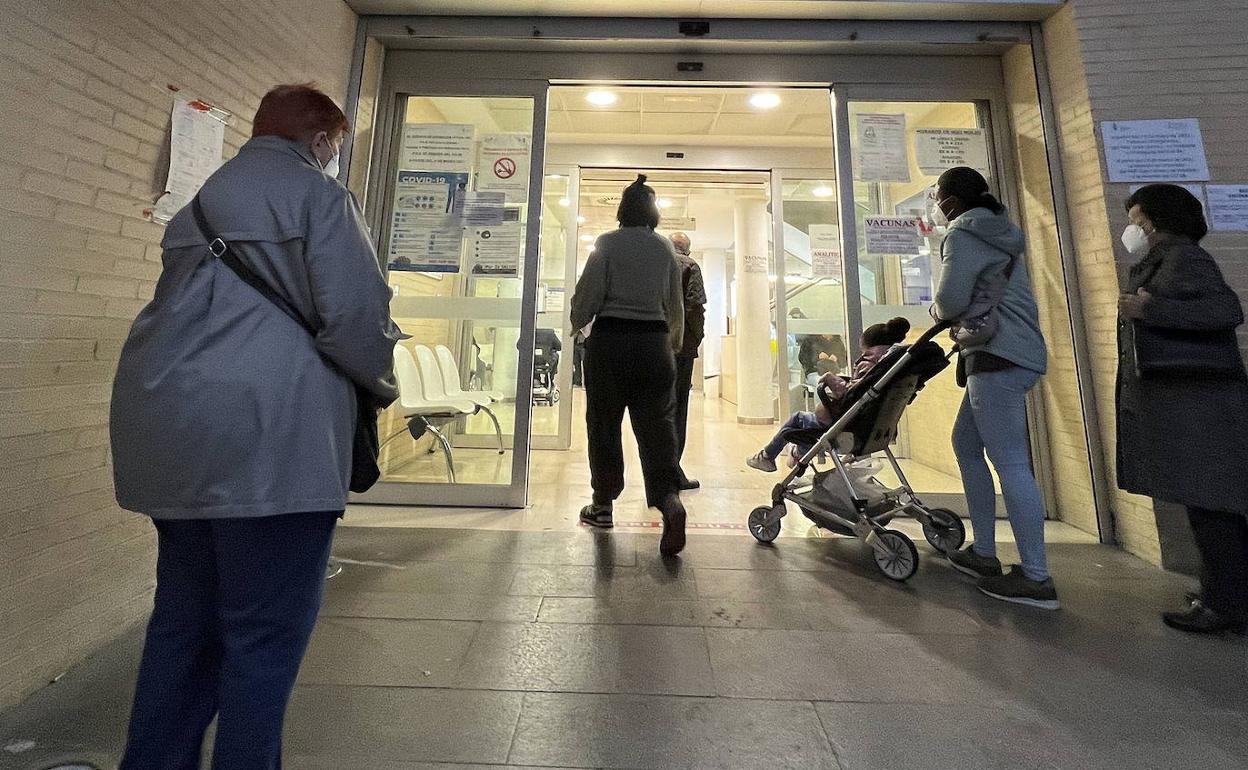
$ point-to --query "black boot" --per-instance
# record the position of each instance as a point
(1199, 619)
(673, 541)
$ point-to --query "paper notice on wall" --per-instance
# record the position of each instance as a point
(483, 209)
(555, 299)
(1154, 150)
(940, 149)
(195, 145)
(503, 165)
(825, 251)
(443, 147)
(882, 155)
(495, 251)
(1228, 207)
(893, 235)
(754, 263)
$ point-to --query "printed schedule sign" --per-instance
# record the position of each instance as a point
(825, 251)
(1228, 206)
(940, 149)
(893, 235)
(437, 147)
(882, 155)
(1155, 150)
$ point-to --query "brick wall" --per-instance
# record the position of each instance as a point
(1120, 60)
(84, 119)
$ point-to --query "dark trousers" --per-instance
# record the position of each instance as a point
(236, 600)
(633, 370)
(1222, 539)
(684, 383)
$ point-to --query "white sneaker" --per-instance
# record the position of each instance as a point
(761, 462)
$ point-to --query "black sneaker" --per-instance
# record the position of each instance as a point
(597, 516)
(1199, 619)
(1017, 588)
(673, 541)
(970, 563)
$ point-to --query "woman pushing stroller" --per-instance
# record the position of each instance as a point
(877, 340)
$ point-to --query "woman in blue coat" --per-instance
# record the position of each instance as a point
(232, 429)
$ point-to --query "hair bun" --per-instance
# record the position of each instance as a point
(899, 327)
(641, 179)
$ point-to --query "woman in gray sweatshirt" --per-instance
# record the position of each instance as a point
(631, 291)
(983, 271)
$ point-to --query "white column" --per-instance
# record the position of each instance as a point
(713, 276)
(753, 330)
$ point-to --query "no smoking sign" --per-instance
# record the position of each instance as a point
(504, 168)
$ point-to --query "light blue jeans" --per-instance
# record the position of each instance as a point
(993, 419)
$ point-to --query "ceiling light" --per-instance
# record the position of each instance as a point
(564, 202)
(664, 203)
(554, 176)
(587, 238)
(765, 100)
(601, 98)
(822, 191)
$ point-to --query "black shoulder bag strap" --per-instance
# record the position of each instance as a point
(365, 448)
(222, 251)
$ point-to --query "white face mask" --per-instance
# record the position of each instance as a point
(939, 218)
(331, 168)
(1135, 239)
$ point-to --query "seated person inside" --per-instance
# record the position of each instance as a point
(820, 354)
(877, 340)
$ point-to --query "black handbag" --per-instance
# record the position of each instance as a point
(1182, 352)
(365, 445)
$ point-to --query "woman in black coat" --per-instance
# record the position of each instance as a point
(1182, 434)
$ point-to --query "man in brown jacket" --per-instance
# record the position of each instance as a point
(695, 322)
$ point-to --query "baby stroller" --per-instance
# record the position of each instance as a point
(545, 367)
(846, 498)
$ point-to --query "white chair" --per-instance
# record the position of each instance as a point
(435, 388)
(451, 386)
(419, 410)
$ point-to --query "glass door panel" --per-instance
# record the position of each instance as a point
(817, 326)
(898, 150)
(456, 236)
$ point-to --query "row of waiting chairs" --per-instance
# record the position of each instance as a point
(431, 396)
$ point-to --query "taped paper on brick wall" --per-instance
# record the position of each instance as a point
(195, 145)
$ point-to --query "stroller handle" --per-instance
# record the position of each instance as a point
(930, 334)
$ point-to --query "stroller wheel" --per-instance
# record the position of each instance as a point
(895, 555)
(947, 532)
(759, 528)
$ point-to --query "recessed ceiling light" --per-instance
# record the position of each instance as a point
(564, 202)
(765, 100)
(664, 203)
(601, 98)
(554, 176)
(822, 191)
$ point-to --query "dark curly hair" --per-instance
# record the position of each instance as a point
(1171, 209)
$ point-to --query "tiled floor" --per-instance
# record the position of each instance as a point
(452, 648)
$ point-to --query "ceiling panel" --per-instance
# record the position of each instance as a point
(673, 124)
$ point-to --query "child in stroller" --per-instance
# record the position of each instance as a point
(877, 340)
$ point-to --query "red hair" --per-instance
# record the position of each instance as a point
(297, 113)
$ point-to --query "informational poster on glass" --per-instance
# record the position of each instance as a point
(503, 165)
(442, 147)
(483, 209)
(1155, 150)
(882, 155)
(195, 143)
(495, 251)
(426, 232)
(940, 149)
(555, 296)
(1228, 207)
(825, 251)
(893, 236)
